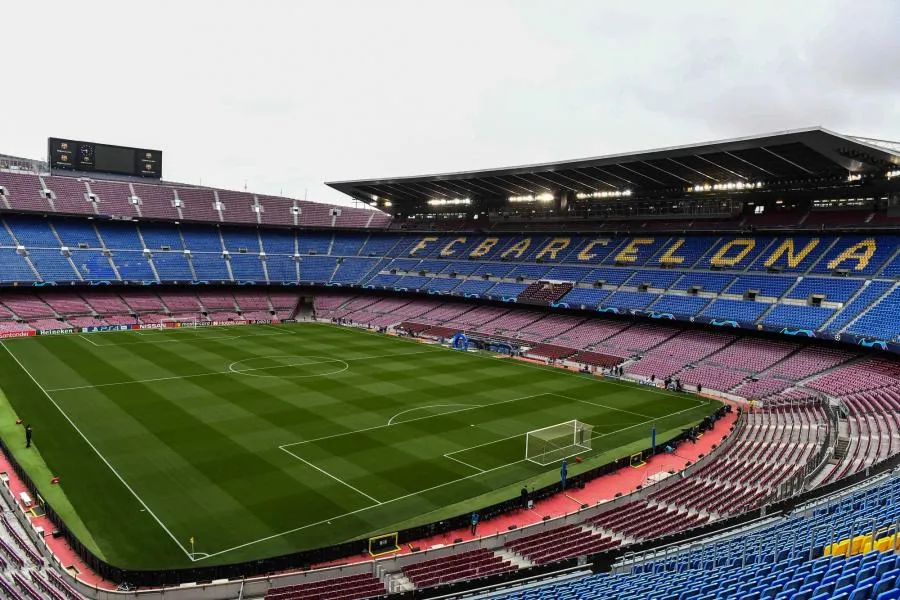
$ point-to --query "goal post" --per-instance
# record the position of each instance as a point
(549, 445)
(178, 322)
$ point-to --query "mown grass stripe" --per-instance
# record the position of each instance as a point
(205, 450)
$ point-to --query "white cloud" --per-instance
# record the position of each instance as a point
(284, 95)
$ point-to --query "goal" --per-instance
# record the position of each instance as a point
(172, 323)
(549, 445)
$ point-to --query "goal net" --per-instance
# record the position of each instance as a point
(552, 444)
(172, 323)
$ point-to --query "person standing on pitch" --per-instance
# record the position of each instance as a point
(563, 472)
(28, 436)
(474, 522)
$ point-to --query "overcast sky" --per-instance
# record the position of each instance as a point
(285, 95)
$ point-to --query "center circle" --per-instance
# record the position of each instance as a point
(274, 366)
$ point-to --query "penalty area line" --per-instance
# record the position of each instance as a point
(409, 410)
(462, 462)
(338, 479)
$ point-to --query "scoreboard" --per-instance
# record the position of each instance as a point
(74, 155)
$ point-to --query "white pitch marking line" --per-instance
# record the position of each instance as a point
(451, 412)
(448, 455)
(409, 410)
(90, 341)
(622, 410)
(325, 360)
(94, 448)
(338, 479)
(230, 372)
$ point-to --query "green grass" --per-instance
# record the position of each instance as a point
(260, 441)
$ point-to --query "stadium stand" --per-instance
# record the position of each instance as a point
(55, 250)
(783, 559)
(561, 542)
(354, 587)
(822, 413)
(476, 563)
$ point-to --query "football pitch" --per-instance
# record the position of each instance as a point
(257, 441)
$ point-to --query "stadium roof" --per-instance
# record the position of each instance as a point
(786, 155)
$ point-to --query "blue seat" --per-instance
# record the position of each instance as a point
(814, 577)
(892, 573)
(884, 584)
(810, 587)
(862, 592)
(866, 573)
(885, 565)
(826, 587)
(728, 592)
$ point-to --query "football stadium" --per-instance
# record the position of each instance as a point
(406, 300)
(668, 373)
